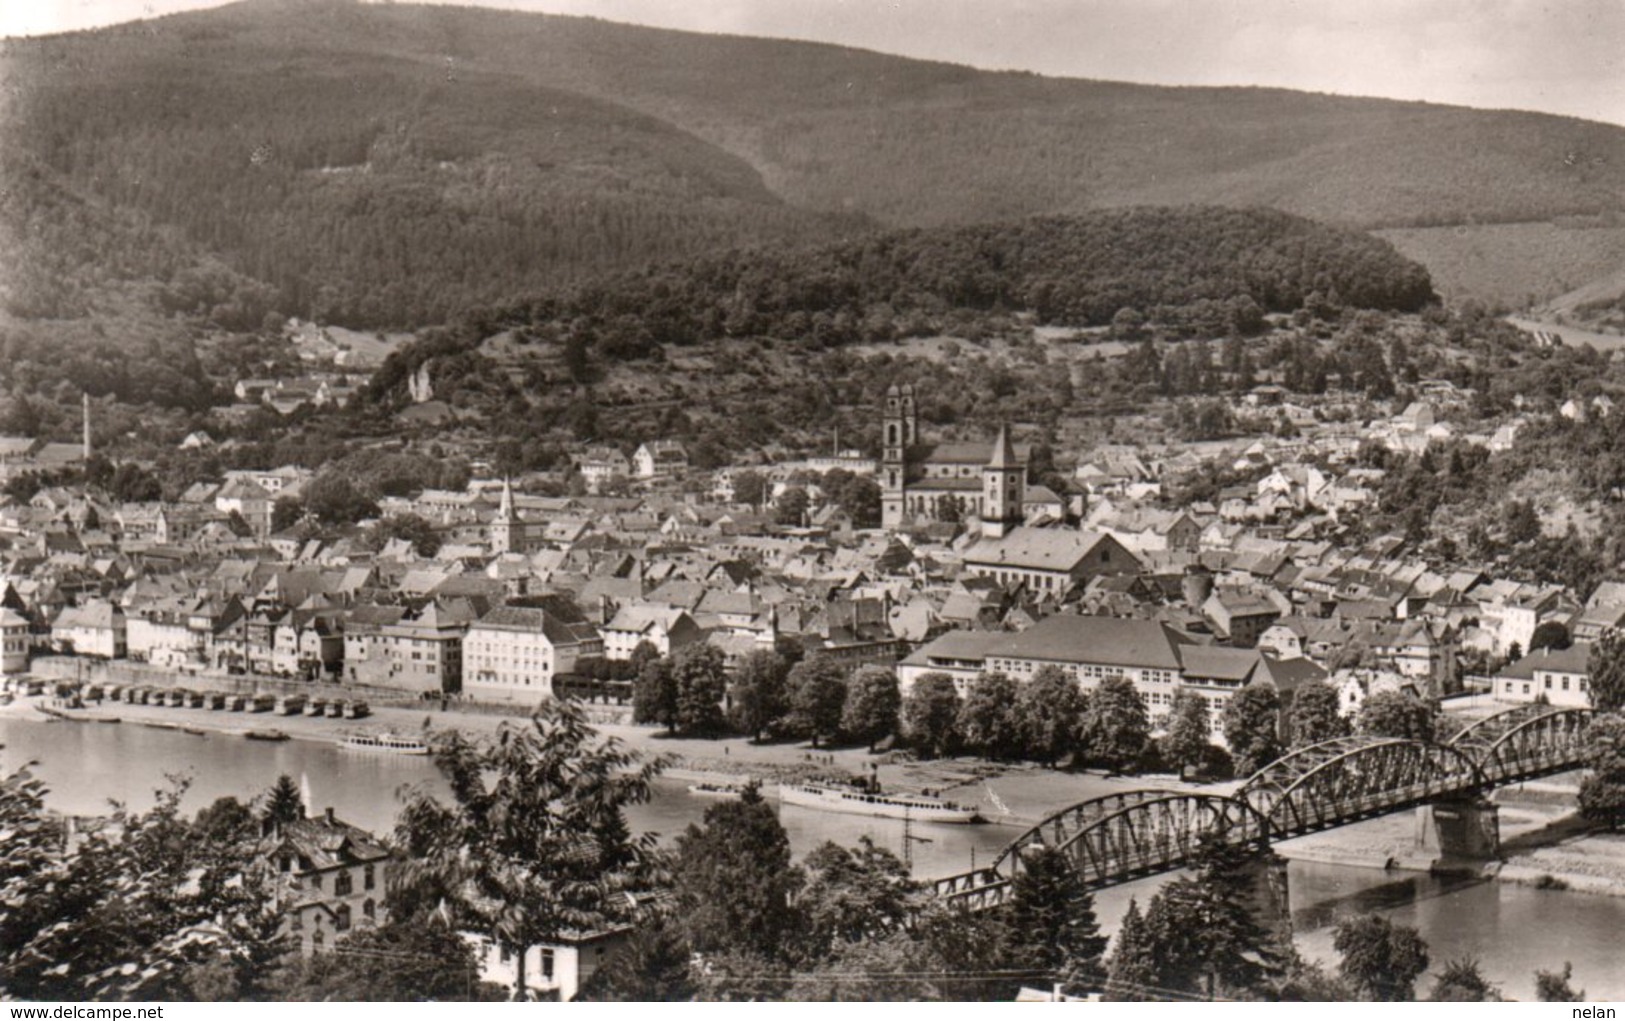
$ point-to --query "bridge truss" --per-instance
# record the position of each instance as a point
(1132, 834)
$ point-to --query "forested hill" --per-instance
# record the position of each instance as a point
(1204, 271)
(360, 188)
(916, 143)
(389, 165)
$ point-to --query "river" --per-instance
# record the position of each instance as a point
(86, 764)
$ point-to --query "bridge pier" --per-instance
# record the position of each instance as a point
(1467, 830)
(1269, 900)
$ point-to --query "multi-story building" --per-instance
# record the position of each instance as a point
(160, 632)
(13, 641)
(330, 878)
(95, 629)
(391, 648)
(1157, 658)
(513, 653)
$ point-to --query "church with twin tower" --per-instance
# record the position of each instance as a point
(923, 481)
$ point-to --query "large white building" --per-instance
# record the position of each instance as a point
(1156, 657)
(513, 653)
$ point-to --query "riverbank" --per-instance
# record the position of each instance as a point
(1542, 843)
(1016, 795)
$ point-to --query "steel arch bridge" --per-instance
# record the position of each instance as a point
(1133, 834)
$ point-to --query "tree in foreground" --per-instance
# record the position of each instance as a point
(652, 966)
(817, 696)
(1380, 960)
(1605, 665)
(1185, 744)
(426, 961)
(758, 697)
(1049, 711)
(1315, 715)
(735, 883)
(1115, 725)
(1050, 922)
(1557, 987)
(1131, 970)
(1399, 714)
(149, 908)
(1203, 939)
(283, 803)
(931, 715)
(873, 703)
(852, 896)
(1252, 727)
(534, 843)
(987, 720)
(1461, 981)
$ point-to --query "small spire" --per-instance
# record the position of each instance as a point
(505, 509)
(1004, 455)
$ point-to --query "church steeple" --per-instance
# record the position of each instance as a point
(1004, 480)
(897, 428)
(503, 525)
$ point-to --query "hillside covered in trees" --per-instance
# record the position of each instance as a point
(1208, 271)
(389, 165)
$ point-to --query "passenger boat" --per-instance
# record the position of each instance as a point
(917, 807)
(392, 743)
(718, 788)
(266, 735)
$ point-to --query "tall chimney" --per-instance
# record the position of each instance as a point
(85, 403)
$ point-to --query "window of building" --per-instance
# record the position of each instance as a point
(343, 884)
(547, 964)
(369, 909)
(341, 918)
(369, 877)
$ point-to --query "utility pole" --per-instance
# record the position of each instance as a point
(909, 840)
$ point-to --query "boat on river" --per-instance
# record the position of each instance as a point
(394, 744)
(720, 788)
(266, 735)
(859, 801)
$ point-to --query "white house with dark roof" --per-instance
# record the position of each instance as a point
(659, 459)
(330, 878)
(513, 653)
(1561, 676)
(663, 627)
